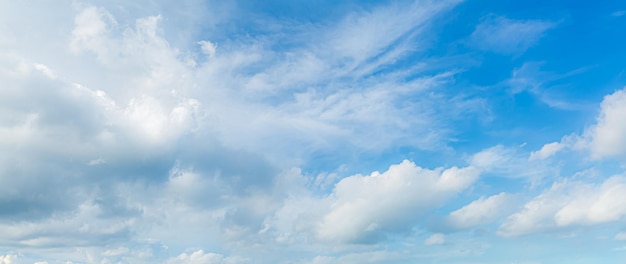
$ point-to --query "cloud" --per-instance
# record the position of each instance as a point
(435, 239)
(480, 212)
(124, 145)
(150, 136)
(509, 162)
(364, 208)
(607, 138)
(8, 259)
(375, 35)
(543, 85)
(546, 151)
(508, 36)
(568, 204)
(492, 158)
(200, 257)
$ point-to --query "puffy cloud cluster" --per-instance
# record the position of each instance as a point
(365, 207)
(570, 204)
(608, 136)
(122, 134)
(8, 259)
(124, 142)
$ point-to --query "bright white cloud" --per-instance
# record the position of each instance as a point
(570, 204)
(546, 151)
(365, 207)
(508, 36)
(8, 259)
(608, 136)
(481, 211)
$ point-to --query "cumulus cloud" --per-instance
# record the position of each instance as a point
(479, 212)
(567, 204)
(508, 36)
(365, 207)
(8, 259)
(120, 135)
(608, 136)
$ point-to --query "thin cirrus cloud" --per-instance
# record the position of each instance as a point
(191, 133)
(508, 36)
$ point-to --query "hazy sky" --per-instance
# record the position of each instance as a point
(312, 131)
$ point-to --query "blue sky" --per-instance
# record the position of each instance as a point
(312, 132)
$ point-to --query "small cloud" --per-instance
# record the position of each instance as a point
(481, 211)
(618, 13)
(208, 48)
(435, 239)
(491, 158)
(508, 36)
(620, 236)
(95, 162)
(546, 151)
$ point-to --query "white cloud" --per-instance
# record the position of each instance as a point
(365, 207)
(568, 204)
(208, 48)
(8, 259)
(508, 36)
(492, 158)
(363, 36)
(607, 138)
(480, 212)
(546, 151)
(435, 239)
(200, 257)
(620, 236)
(510, 162)
(193, 151)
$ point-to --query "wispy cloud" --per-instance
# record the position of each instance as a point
(508, 36)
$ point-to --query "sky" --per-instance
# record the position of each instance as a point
(312, 132)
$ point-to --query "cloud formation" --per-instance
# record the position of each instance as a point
(210, 132)
(365, 207)
(508, 36)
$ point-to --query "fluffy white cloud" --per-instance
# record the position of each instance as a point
(365, 207)
(508, 36)
(480, 212)
(8, 259)
(608, 136)
(570, 204)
